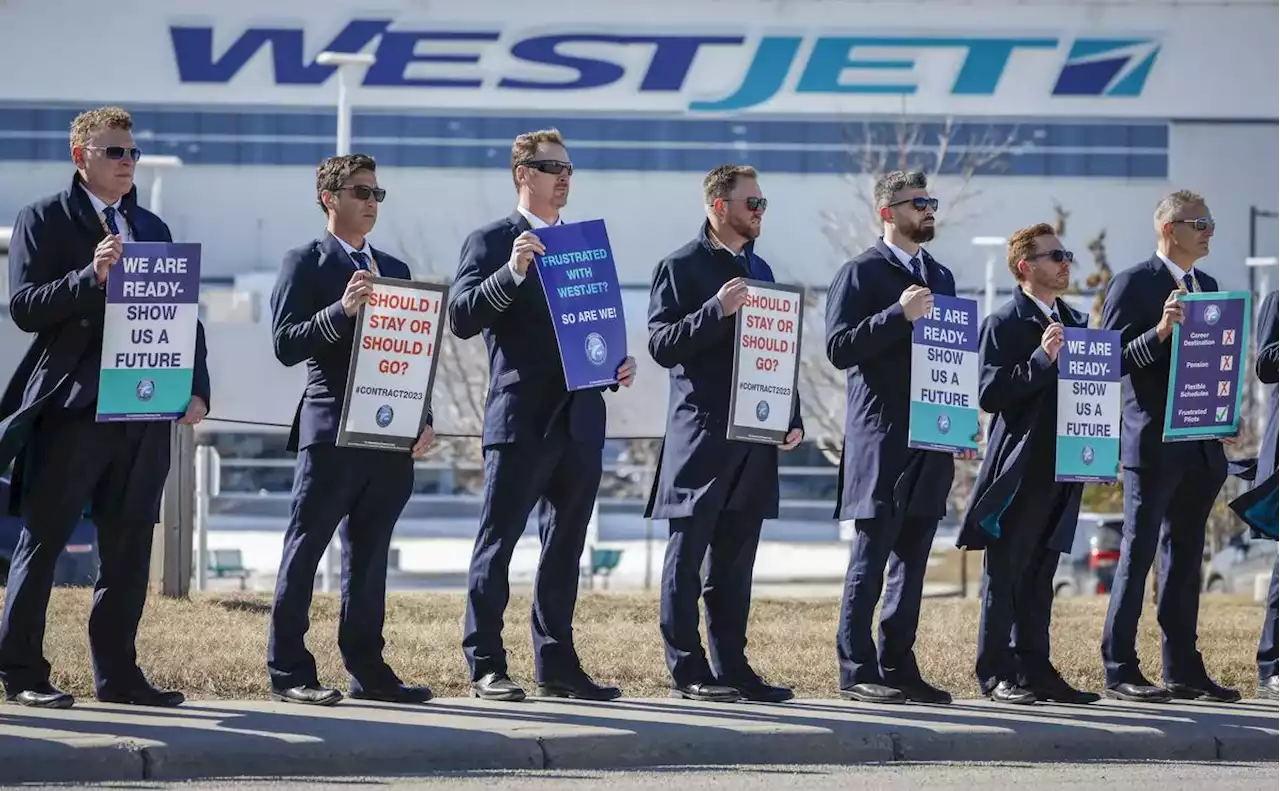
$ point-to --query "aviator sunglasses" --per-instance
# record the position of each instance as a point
(553, 167)
(362, 192)
(117, 152)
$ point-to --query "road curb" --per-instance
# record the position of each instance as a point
(239, 739)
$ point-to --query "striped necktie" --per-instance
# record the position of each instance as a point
(1189, 282)
(362, 260)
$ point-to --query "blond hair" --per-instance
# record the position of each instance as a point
(90, 121)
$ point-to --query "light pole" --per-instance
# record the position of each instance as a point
(1258, 290)
(160, 163)
(993, 244)
(344, 61)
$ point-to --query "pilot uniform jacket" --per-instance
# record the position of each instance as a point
(869, 338)
(54, 294)
(1018, 387)
(690, 336)
(309, 325)
(527, 394)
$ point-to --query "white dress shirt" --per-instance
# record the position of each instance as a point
(1177, 272)
(535, 222)
(906, 259)
(367, 250)
(1047, 310)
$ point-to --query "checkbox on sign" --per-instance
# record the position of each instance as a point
(1228, 337)
(1226, 363)
(1224, 388)
(1221, 415)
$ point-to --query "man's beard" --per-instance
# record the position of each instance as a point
(745, 228)
(921, 233)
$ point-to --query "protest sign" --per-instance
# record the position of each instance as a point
(1088, 444)
(944, 377)
(393, 365)
(149, 332)
(1206, 370)
(766, 363)
(580, 281)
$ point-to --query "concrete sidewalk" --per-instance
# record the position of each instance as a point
(203, 739)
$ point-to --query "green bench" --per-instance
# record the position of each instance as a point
(603, 562)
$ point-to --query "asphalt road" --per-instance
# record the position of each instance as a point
(886, 777)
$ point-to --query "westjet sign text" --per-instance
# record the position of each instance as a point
(700, 72)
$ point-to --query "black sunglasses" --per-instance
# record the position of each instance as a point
(920, 204)
(1058, 256)
(753, 203)
(1200, 223)
(552, 166)
(363, 193)
(117, 152)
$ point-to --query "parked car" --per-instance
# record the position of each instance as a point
(1234, 569)
(78, 563)
(1090, 566)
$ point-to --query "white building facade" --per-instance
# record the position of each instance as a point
(1099, 107)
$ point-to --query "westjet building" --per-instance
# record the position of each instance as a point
(1099, 107)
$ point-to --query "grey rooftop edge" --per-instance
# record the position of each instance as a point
(217, 739)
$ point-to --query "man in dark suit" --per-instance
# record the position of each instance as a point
(1017, 512)
(543, 444)
(1169, 488)
(64, 460)
(317, 296)
(894, 494)
(715, 492)
(1265, 476)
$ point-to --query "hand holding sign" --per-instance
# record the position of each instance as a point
(358, 291)
(523, 250)
(106, 255)
(423, 444)
(732, 295)
(196, 410)
(1172, 314)
(792, 441)
(1051, 341)
(627, 372)
(916, 301)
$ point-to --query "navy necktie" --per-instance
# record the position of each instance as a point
(362, 260)
(744, 262)
(110, 214)
(1054, 317)
(917, 268)
(1189, 282)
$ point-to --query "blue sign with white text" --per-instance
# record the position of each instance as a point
(580, 280)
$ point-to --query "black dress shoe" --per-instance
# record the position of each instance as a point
(496, 686)
(145, 695)
(308, 694)
(1206, 690)
(757, 690)
(1009, 692)
(921, 691)
(41, 696)
(707, 691)
(1267, 690)
(401, 693)
(1139, 693)
(872, 693)
(582, 688)
(1059, 691)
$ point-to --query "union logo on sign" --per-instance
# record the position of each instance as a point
(944, 424)
(384, 416)
(762, 411)
(146, 389)
(1086, 455)
(597, 349)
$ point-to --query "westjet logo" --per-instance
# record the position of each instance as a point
(1097, 67)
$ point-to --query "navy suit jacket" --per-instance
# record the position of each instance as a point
(1257, 506)
(1018, 386)
(869, 338)
(309, 325)
(54, 294)
(527, 393)
(1133, 305)
(690, 336)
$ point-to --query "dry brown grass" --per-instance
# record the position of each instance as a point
(214, 646)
